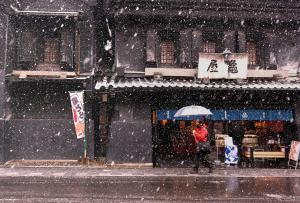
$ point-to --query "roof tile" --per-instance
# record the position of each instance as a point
(177, 83)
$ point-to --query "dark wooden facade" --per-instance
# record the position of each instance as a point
(49, 49)
(169, 34)
(192, 24)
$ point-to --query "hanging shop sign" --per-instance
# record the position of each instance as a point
(233, 115)
(223, 66)
(78, 113)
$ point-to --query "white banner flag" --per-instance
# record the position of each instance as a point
(78, 113)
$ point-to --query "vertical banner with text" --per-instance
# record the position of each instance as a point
(78, 113)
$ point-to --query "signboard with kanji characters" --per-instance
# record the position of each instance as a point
(214, 66)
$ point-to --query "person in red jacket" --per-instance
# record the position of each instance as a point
(203, 147)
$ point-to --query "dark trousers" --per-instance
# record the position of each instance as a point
(201, 157)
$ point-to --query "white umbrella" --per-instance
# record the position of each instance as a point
(193, 111)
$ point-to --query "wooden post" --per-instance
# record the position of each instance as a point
(241, 42)
(251, 157)
(77, 46)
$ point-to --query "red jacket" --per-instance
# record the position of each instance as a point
(200, 134)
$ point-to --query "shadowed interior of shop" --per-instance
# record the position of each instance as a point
(259, 119)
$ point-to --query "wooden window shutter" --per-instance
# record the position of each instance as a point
(241, 42)
(67, 49)
(229, 41)
(151, 48)
(185, 48)
(26, 47)
(196, 46)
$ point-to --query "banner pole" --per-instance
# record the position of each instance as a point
(85, 126)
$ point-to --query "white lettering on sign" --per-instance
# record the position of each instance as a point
(214, 66)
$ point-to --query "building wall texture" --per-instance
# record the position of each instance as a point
(41, 139)
(130, 134)
(39, 124)
(37, 111)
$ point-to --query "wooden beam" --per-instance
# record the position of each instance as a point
(185, 72)
(59, 74)
(266, 73)
(265, 154)
(173, 72)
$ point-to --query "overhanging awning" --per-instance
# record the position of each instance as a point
(234, 115)
(146, 83)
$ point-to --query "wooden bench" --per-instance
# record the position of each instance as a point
(265, 154)
(252, 155)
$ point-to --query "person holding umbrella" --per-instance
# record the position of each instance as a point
(203, 147)
(200, 135)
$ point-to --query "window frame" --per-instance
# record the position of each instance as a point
(43, 32)
(209, 46)
(167, 52)
(168, 36)
(252, 56)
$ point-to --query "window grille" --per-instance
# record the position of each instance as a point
(167, 52)
(51, 51)
(209, 47)
(251, 50)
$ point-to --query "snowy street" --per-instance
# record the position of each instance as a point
(92, 184)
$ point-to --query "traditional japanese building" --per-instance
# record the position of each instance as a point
(238, 58)
(48, 48)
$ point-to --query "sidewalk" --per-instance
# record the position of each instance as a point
(71, 169)
(71, 163)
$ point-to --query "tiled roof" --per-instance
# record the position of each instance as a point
(180, 83)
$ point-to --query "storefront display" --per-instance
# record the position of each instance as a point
(253, 138)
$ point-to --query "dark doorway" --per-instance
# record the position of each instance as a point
(173, 143)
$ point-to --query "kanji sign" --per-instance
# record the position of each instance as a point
(214, 66)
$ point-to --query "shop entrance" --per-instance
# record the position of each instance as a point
(267, 131)
(174, 141)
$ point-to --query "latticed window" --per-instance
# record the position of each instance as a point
(209, 47)
(45, 43)
(252, 55)
(167, 52)
(51, 51)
